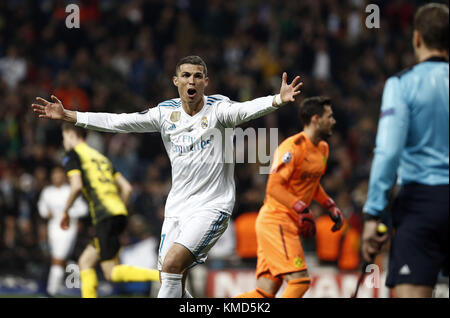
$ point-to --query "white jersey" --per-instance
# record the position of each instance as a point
(53, 200)
(199, 147)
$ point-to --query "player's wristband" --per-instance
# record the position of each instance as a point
(278, 100)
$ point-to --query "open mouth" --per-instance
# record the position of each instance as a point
(191, 92)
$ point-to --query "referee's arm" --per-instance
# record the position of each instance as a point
(391, 137)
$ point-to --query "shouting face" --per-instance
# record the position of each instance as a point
(191, 83)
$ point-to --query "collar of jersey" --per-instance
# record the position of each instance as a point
(201, 110)
(80, 145)
(436, 59)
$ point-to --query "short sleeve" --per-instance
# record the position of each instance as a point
(71, 163)
(284, 160)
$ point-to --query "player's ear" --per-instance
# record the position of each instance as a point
(175, 81)
(206, 81)
(417, 39)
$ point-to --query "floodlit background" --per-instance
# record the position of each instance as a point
(122, 59)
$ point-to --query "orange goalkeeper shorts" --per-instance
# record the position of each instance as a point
(279, 248)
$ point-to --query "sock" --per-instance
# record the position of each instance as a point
(256, 293)
(187, 294)
(55, 278)
(89, 283)
(296, 288)
(171, 285)
(127, 273)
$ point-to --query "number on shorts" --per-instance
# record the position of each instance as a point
(162, 242)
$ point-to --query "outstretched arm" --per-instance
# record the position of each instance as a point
(147, 121)
(233, 114)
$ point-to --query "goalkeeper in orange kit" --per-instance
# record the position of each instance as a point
(299, 163)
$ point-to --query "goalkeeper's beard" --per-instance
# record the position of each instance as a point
(324, 135)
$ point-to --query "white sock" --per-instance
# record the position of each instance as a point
(55, 278)
(171, 286)
(187, 294)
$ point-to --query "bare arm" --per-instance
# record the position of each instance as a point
(125, 188)
(76, 184)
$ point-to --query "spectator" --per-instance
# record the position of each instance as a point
(13, 68)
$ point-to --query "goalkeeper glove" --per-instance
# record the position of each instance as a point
(306, 224)
(335, 214)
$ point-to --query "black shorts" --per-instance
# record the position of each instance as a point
(419, 246)
(106, 239)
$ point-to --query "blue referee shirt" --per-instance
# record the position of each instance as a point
(413, 136)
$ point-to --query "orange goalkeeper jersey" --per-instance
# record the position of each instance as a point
(295, 175)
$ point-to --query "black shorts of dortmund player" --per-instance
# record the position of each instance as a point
(106, 239)
(419, 247)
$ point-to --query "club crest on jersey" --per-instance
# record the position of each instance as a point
(287, 157)
(204, 123)
(298, 262)
(175, 116)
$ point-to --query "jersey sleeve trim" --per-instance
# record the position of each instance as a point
(73, 172)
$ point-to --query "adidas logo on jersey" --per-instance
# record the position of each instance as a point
(405, 270)
(172, 127)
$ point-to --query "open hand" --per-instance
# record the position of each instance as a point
(288, 92)
(48, 109)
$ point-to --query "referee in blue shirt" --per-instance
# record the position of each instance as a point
(412, 147)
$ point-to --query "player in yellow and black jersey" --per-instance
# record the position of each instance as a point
(107, 193)
(101, 183)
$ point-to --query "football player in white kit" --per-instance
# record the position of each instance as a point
(195, 131)
(51, 204)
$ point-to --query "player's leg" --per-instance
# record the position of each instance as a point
(120, 273)
(297, 284)
(55, 276)
(62, 243)
(107, 267)
(419, 246)
(86, 262)
(185, 243)
(267, 285)
(412, 291)
(186, 293)
(284, 255)
(108, 232)
(176, 262)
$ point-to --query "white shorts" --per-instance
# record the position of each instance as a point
(61, 241)
(198, 233)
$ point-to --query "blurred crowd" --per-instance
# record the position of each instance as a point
(122, 59)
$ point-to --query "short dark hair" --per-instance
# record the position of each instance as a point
(192, 59)
(313, 106)
(80, 132)
(431, 20)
